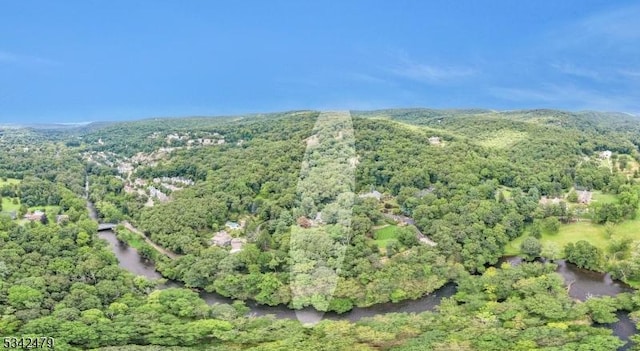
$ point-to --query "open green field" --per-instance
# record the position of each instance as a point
(629, 228)
(599, 197)
(47, 209)
(8, 205)
(383, 235)
(583, 230)
(568, 233)
(503, 139)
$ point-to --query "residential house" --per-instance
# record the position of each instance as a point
(222, 238)
(35, 216)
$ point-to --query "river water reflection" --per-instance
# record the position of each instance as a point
(583, 284)
(130, 260)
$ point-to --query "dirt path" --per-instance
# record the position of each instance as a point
(159, 248)
(410, 221)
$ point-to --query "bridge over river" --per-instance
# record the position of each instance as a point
(106, 226)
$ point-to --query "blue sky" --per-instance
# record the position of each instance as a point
(73, 61)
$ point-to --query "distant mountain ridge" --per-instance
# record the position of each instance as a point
(393, 113)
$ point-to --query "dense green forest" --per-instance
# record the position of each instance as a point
(441, 196)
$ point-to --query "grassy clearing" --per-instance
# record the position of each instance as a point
(384, 235)
(506, 191)
(49, 210)
(501, 139)
(600, 197)
(569, 233)
(132, 239)
(584, 230)
(629, 228)
(606, 163)
(8, 205)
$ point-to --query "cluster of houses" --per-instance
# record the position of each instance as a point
(126, 167)
(157, 194)
(161, 186)
(213, 139)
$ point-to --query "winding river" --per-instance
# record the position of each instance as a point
(583, 284)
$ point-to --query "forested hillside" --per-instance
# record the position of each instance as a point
(450, 171)
(440, 196)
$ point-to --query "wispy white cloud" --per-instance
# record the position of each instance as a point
(19, 59)
(617, 29)
(618, 24)
(629, 73)
(578, 71)
(432, 74)
(569, 96)
(366, 78)
(427, 72)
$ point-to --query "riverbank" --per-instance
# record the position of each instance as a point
(131, 259)
(139, 237)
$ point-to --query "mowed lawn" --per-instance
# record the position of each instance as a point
(7, 203)
(599, 197)
(385, 234)
(568, 233)
(584, 230)
(47, 209)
